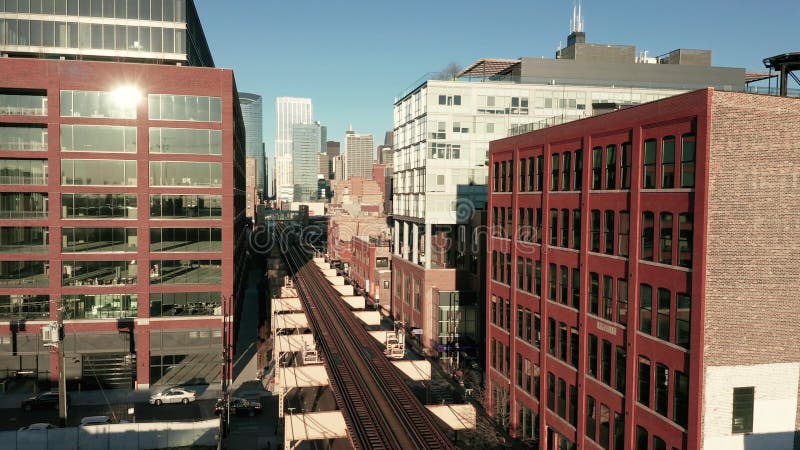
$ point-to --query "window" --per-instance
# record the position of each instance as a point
(647, 236)
(99, 239)
(23, 205)
(622, 301)
(565, 228)
(523, 176)
(592, 355)
(185, 239)
(680, 403)
(554, 172)
(539, 172)
(531, 174)
(659, 444)
(608, 298)
(605, 363)
(594, 293)
(98, 172)
(564, 291)
(620, 370)
(597, 167)
(520, 278)
(184, 107)
(662, 324)
(97, 104)
(644, 381)
(685, 227)
(562, 341)
(662, 389)
(185, 140)
(687, 160)
(625, 175)
(578, 170)
(641, 438)
(185, 272)
(619, 432)
(573, 347)
(573, 405)
(645, 308)
(528, 274)
(591, 418)
(649, 172)
(665, 238)
(554, 227)
(576, 229)
(609, 233)
(562, 398)
(538, 225)
(538, 279)
(623, 229)
(91, 138)
(503, 176)
(594, 231)
(551, 391)
(668, 162)
(528, 335)
(552, 285)
(24, 239)
(519, 369)
(611, 167)
(683, 319)
(537, 330)
(605, 426)
(175, 206)
(551, 336)
(565, 178)
(519, 322)
(24, 171)
(100, 306)
(576, 288)
(496, 177)
(185, 174)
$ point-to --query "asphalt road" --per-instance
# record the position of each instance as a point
(14, 418)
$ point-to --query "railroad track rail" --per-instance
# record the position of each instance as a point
(379, 409)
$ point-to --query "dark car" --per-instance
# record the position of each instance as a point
(239, 407)
(41, 401)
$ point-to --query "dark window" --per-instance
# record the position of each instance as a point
(578, 170)
(551, 391)
(605, 363)
(510, 182)
(539, 172)
(554, 227)
(609, 233)
(573, 405)
(605, 426)
(619, 432)
(565, 180)
(528, 274)
(538, 279)
(562, 341)
(551, 336)
(552, 288)
(519, 322)
(565, 228)
(523, 176)
(554, 171)
(608, 297)
(597, 167)
(518, 374)
(562, 398)
(594, 231)
(520, 278)
(611, 167)
(687, 160)
(531, 174)
(659, 444)
(576, 288)
(496, 182)
(620, 370)
(503, 175)
(662, 324)
(537, 330)
(564, 288)
(685, 227)
(594, 293)
(641, 438)
(593, 355)
(644, 381)
(649, 173)
(574, 347)
(622, 301)
(665, 238)
(683, 319)
(668, 162)
(645, 308)
(625, 175)
(623, 229)
(576, 229)
(591, 418)
(662, 390)
(647, 235)
(680, 402)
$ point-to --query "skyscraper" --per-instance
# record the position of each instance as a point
(358, 155)
(251, 105)
(306, 142)
(289, 112)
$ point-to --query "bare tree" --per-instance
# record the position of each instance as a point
(450, 71)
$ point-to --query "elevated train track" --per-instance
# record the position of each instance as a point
(379, 409)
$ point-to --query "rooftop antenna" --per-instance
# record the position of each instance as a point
(577, 17)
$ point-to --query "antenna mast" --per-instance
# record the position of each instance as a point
(577, 17)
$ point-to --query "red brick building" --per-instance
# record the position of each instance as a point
(122, 197)
(371, 269)
(642, 267)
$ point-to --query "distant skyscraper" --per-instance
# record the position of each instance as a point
(252, 113)
(251, 188)
(334, 148)
(289, 112)
(338, 167)
(358, 155)
(306, 142)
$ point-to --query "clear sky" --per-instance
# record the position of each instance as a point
(352, 57)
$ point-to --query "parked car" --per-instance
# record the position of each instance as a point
(239, 407)
(173, 395)
(38, 427)
(95, 420)
(43, 400)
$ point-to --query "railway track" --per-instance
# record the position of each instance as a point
(379, 409)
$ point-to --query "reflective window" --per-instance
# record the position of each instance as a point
(23, 171)
(32, 307)
(182, 173)
(100, 306)
(185, 239)
(98, 273)
(23, 104)
(185, 107)
(24, 274)
(23, 205)
(78, 240)
(99, 206)
(185, 140)
(186, 271)
(170, 206)
(24, 239)
(119, 104)
(91, 138)
(98, 172)
(185, 304)
(23, 138)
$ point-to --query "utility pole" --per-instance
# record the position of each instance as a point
(53, 334)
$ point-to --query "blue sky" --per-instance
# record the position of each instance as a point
(353, 57)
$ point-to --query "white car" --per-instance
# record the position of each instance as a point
(173, 395)
(38, 427)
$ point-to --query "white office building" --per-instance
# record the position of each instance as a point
(289, 111)
(358, 155)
